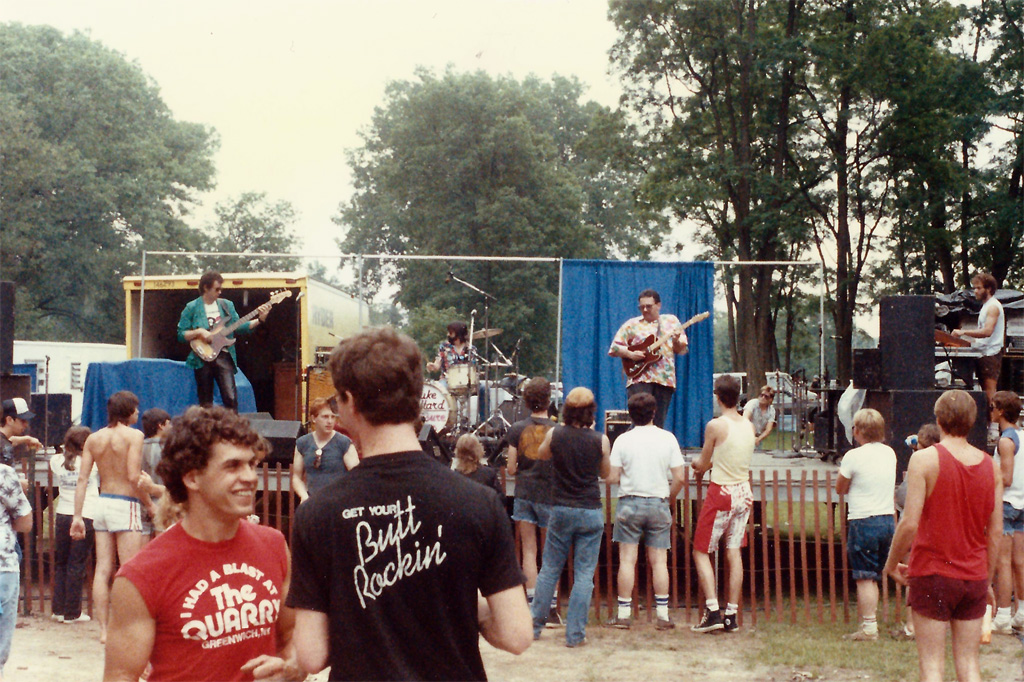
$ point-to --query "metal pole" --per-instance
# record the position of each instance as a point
(362, 292)
(142, 304)
(821, 335)
(558, 331)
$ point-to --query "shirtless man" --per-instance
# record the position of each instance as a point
(120, 532)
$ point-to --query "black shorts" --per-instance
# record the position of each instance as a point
(990, 366)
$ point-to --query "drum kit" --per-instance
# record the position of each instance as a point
(458, 404)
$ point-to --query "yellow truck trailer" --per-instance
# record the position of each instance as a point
(283, 356)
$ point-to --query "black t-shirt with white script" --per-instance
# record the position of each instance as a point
(394, 552)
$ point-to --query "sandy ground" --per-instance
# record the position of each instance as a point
(44, 650)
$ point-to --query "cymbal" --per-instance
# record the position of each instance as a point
(486, 333)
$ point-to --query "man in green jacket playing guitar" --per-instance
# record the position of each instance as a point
(201, 324)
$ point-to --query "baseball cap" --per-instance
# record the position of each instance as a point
(17, 407)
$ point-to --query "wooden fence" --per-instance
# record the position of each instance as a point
(795, 561)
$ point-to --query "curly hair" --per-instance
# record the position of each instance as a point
(192, 437)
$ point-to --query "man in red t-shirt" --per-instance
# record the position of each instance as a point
(954, 519)
(205, 600)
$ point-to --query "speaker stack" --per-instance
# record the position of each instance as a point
(281, 433)
(899, 377)
(616, 423)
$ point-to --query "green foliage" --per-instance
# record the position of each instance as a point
(92, 168)
(472, 165)
(253, 224)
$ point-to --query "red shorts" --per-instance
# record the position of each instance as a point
(724, 514)
(945, 599)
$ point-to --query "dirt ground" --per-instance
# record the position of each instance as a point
(54, 652)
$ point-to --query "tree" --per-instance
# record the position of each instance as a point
(252, 224)
(471, 165)
(712, 82)
(92, 167)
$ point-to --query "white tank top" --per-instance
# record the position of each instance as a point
(994, 343)
(730, 462)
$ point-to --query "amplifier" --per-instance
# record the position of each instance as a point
(616, 423)
(282, 434)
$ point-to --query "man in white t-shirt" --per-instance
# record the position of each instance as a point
(1010, 459)
(642, 460)
(761, 414)
(867, 476)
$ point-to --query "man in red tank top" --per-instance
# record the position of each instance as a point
(952, 522)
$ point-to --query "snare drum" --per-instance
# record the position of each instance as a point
(437, 407)
(462, 379)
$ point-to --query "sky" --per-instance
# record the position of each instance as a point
(289, 86)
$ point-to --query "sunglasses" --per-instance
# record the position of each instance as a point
(647, 306)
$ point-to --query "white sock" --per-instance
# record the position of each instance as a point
(711, 604)
(529, 595)
(625, 609)
(870, 625)
(731, 609)
(1003, 614)
(661, 606)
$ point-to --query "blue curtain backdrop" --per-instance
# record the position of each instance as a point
(598, 296)
(157, 383)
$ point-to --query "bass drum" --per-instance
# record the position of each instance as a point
(437, 408)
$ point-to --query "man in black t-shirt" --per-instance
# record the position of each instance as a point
(401, 564)
(533, 477)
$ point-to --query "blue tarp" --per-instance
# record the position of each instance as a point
(598, 296)
(158, 383)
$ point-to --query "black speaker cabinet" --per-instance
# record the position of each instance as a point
(867, 368)
(906, 411)
(906, 341)
(6, 328)
(282, 435)
(50, 425)
(616, 423)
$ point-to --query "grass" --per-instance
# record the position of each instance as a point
(820, 648)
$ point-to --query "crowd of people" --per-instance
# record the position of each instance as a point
(398, 564)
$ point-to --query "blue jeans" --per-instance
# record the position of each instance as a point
(580, 530)
(10, 584)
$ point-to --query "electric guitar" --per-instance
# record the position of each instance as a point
(649, 346)
(208, 351)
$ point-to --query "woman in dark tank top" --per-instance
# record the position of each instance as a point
(579, 456)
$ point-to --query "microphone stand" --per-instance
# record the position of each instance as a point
(487, 308)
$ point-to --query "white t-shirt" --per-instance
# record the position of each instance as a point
(871, 469)
(1014, 493)
(67, 482)
(646, 454)
(992, 344)
(760, 418)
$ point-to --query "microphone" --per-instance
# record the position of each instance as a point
(448, 279)
(473, 312)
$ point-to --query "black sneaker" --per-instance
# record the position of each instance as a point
(554, 620)
(709, 622)
(729, 623)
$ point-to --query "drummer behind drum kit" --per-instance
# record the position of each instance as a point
(456, 410)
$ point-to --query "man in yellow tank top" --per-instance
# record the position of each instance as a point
(728, 447)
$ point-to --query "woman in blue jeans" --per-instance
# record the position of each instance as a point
(71, 555)
(579, 456)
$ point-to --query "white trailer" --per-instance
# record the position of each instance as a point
(68, 363)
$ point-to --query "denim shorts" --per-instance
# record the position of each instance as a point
(643, 518)
(1013, 519)
(868, 545)
(529, 511)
